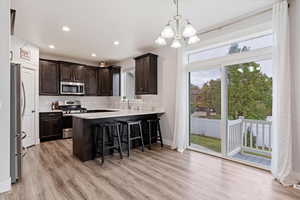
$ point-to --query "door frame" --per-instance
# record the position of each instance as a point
(33, 68)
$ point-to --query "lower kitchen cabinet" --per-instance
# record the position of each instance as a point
(50, 126)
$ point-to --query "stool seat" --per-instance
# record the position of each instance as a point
(105, 135)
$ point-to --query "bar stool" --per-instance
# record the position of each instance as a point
(130, 125)
(105, 135)
(157, 136)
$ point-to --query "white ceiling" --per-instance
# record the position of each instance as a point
(96, 24)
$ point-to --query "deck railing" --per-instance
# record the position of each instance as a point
(252, 136)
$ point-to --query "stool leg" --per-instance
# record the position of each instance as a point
(150, 136)
(103, 145)
(159, 133)
(95, 148)
(119, 142)
(128, 139)
(141, 134)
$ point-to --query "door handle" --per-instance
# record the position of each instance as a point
(33, 111)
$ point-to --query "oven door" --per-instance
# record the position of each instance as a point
(70, 88)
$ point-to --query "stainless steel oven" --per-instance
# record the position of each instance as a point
(71, 88)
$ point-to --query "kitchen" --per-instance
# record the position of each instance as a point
(101, 95)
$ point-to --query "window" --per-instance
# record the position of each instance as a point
(237, 47)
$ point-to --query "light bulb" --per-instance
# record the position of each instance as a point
(167, 32)
(189, 31)
(176, 44)
(160, 41)
(194, 39)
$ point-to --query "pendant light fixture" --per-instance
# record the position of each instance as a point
(179, 30)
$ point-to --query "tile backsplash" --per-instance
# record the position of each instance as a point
(87, 102)
(145, 102)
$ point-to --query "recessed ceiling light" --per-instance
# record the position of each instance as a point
(66, 28)
(51, 46)
(93, 55)
(116, 43)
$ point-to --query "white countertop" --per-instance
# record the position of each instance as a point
(119, 113)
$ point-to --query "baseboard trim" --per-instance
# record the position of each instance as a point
(5, 185)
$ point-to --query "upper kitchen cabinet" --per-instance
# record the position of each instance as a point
(146, 74)
(70, 72)
(105, 81)
(109, 81)
(91, 81)
(49, 77)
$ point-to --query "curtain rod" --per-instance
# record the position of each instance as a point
(237, 20)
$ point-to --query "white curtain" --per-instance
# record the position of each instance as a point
(282, 111)
(180, 139)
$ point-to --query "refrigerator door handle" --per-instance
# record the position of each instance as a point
(24, 99)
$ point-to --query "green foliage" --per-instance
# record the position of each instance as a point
(205, 141)
(249, 92)
(211, 93)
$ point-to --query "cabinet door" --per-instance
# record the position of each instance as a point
(105, 82)
(66, 72)
(139, 77)
(48, 77)
(50, 126)
(146, 74)
(78, 73)
(91, 81)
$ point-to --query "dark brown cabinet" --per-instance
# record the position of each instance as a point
(70, 72)
(49, 77)
(105, 81)
(109, 79)
(97, 81)
(50, 126)
(91, 81)
(146, 74)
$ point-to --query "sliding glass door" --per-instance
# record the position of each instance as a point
(230, 100)
(249, 116)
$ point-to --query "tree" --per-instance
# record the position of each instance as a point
(249, 92)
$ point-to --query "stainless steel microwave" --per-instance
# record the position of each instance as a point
(71, 88)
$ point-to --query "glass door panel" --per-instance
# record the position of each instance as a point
(249, 113)
(205, 110)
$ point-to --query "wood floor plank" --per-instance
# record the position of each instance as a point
(51, 172)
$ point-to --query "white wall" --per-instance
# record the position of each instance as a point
(165, 99)
(4, 96)
(295, 62)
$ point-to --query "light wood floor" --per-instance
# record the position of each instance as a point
(51, 172)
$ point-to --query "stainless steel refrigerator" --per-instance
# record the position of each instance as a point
(17, 102)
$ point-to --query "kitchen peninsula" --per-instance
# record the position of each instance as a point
(83, 128)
